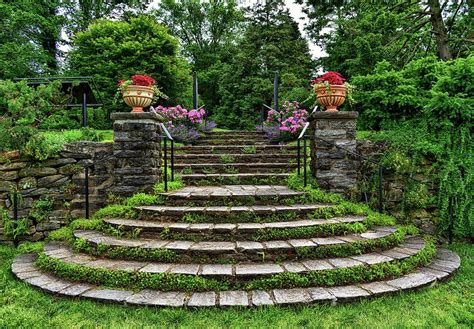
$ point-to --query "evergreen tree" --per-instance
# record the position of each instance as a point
(271, 43)
(207, 31)
(29, 38)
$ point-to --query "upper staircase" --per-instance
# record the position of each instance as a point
(234, 157)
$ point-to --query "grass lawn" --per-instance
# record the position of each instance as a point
(449, 305)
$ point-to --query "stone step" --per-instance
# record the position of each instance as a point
(242, 149)
(239, 272)
(441, 268)
(223, 231)
(250, 194)
(239, 133)
(239, 178)
(214, 168)
(233, 157)
(187, 251)
(231, 141)
(172, 212)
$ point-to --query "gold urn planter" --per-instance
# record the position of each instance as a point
(138, 97)
(331, 96)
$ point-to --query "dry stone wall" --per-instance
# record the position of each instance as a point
(51, 192)
(411, 200)
(58, 183)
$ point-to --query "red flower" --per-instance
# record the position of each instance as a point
(143, 80)
(333, 78)
(121, 82)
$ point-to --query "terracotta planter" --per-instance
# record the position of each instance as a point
(137, 97)
(331, 97)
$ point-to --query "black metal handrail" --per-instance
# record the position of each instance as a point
(167, 136)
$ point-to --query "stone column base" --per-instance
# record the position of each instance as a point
(333, 134)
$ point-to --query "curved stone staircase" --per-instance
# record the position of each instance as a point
(235, 245)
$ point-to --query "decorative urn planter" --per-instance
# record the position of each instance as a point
(331, 97)
(137, 96)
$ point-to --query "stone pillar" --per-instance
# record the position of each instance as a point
(137, 152)
(333, 168)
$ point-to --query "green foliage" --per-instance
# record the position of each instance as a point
(132, 253)
(24, 110)
(226, 158)
(28, 38)
(128, 279)
(308, 232)
(271, 43)
(62, 234)
(12, 228)
(113, 50)
(31, 247)
(41, 208)
(116, 211)
(249, 150)
(207, 31)
(141, 199)
(396, 32)
(172, 185)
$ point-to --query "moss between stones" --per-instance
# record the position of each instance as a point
(166, 281)
(337, 250)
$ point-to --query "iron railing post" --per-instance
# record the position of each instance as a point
(451, 221)
(166, 166)
(304, 163)
(84, 110)
(15, 206)
(380, 206)
(86, 189)
(298, 156)
(195, 91)
(172, 160)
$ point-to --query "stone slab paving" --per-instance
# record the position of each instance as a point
(228, 247)
(223, 210)
(208, 192)
(248, 228)
(239, 271)
(339, 294)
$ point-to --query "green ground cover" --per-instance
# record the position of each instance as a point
(446, 305)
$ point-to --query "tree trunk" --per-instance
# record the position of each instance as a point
(439, 30)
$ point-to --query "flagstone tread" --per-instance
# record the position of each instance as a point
(236, 164)
(233, 247)
(226, 210)
(248, 228)
(24, 269)
(240, 270)
(232, 191)
(257, 175)
(237, 147)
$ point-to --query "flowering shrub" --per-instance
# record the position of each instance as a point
(184, 125)
(184, 134)
(179, 115)
(290, 120)
(208, 126)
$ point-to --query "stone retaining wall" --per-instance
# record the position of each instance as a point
(131, 164)
(58, 181)
(396, 187)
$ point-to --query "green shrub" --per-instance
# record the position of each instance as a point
(116, 210)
